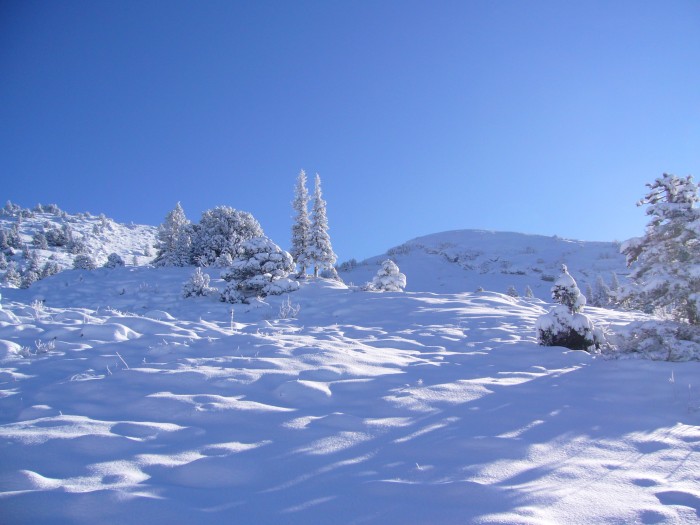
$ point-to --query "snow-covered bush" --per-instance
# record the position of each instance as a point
(114, 260)
(221, 230)
(198, 285)
(259, 268)
(659, 340)
(666, 260)
(388, 279)
(565, 325)
(84, 262)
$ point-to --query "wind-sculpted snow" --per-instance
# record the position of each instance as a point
(410, 408)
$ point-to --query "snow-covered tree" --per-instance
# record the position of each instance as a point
(321, 253)
(32, 273)
(221, 230)
(50, 268)
(84, 262)
(3, 261)
(388, 279)
(198, 285)
(565, 325)
(601, 295)
(39, 241)
(259, 268)
(114, 260)
(528, 292)
(301, 229)
(174, 239)
(512, 291)
(666, 260)
(12, 277)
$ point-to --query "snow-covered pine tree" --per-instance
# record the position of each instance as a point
(39, 241)
(601, 293)
(32, 273)
(12, 278)
(198, 285)
(512, 291)
(259, 268)
(174, 240)
(221, 230)
(388, 279)
(321, 253)
(301, 229)
(528, 292)
(666, 273)
(565, 325)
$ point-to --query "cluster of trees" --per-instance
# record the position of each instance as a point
(311, 244)
(234, 240)
(665, 280)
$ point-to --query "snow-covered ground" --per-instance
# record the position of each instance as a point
(466, 260)
(120, 402)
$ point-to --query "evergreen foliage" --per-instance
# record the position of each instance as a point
(114, 260)
(198, 285)
(174, 240)
(301, 229)
(666, 260)
(565, 325)
(12, 278)
(388, 279)
(259, 268)
(220, 231)
(84, 262)
(321, 253)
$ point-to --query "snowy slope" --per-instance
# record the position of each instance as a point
(464, 260)
(122, 403)
(100, 235)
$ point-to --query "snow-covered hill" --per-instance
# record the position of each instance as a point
(96, 236)
(121, 402)
(465, 260)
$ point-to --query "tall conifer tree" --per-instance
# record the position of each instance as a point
(321, 253)
(301, 229)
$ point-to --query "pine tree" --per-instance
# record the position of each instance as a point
(565, 325)
(221, 231)
(601, 293)
(388, 279)
(174, 239)
(198, 285)
(321, 253)
(260, 268)
(528, 292)
(12, 277)
(666, 274)
(301, 229)
(512, 291)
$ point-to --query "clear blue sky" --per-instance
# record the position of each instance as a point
(533, 116)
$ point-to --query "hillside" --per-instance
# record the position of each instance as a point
(96, 236)
(464, 260)
(121, 401)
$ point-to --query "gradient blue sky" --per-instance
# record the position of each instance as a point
(533, 116)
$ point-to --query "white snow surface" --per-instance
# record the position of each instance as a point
(466, 260)
(121, 402)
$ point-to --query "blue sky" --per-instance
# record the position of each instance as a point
(534, 116)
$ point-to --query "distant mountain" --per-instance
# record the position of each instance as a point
(465, 260)
(97, 236)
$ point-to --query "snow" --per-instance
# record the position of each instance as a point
(122, 402)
